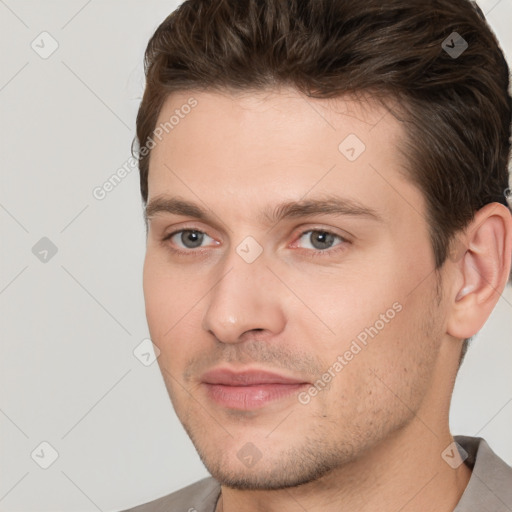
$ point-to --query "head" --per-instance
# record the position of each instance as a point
(350, 229)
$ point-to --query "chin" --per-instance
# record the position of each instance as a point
(263, 482)
(281, 472)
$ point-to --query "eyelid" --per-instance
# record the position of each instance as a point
(301, 230)
(186, 227)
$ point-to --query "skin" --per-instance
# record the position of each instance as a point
(372, 438)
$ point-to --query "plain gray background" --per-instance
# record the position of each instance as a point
(71, 322)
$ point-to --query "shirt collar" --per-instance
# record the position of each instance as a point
(490, 485)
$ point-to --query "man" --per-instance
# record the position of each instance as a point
(325, 184)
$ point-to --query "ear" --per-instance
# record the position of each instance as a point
(481, 270)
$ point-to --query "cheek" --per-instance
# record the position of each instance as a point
(156, 299)
(376, 326)
(169, 293)
(346, 311)
(172, 309)
(160, 302)
(397, 363)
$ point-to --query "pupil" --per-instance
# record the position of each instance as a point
(191, 236)
(324, 237)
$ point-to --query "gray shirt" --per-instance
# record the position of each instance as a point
(489, 489)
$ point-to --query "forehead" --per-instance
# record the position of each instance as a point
(249, 148)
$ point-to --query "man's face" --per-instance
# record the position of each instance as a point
(290, 344)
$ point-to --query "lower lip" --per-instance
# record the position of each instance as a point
(250, 397)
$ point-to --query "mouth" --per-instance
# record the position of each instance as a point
(247, 390)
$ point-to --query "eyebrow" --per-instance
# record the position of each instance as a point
(328, 205)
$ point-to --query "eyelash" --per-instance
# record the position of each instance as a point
(313, 253)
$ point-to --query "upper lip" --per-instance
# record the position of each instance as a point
(228, 377)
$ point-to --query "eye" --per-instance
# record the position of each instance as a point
(187, 238)
(320, 240)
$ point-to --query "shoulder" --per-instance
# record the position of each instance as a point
(200, 496)
(489, 488)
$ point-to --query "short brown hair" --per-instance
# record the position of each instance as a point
(457, 109)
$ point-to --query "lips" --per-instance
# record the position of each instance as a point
(246, 390)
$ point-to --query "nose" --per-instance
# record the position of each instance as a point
(245, 298)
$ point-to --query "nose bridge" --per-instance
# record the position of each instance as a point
(244, 297)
